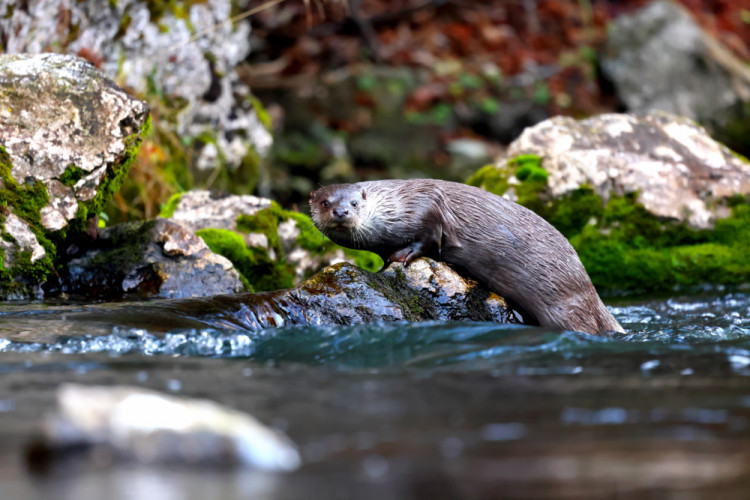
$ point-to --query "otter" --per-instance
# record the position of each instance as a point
(501, 244)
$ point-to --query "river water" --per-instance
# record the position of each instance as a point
(398, 411)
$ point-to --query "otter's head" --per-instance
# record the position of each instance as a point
(337, 212)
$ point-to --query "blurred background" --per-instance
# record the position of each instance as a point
(299, 93)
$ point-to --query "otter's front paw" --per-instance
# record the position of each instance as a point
(407, 254)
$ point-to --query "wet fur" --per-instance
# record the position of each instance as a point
(500, 243)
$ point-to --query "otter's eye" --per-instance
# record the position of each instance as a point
(354, 203)
(325, 203)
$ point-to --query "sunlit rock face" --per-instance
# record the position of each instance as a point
(677, 170)
(67, 137)
(659, 58)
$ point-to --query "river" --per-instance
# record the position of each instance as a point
(399, 411)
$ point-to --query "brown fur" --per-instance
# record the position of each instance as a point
(500, 243)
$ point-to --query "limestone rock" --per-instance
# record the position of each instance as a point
(678, 171)
(147, 259)
(200, 209)
(60, 111)
(67, 138)
(660, 59)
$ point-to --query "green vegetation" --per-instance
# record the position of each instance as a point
(71, 175)
(621, 244)
(168, 207)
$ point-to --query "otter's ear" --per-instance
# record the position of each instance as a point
(364, 194)
(312, 196)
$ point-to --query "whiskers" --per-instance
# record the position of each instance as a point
(358, 236)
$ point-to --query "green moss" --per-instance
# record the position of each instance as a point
(255, 265)
(71, 175)
(25, 201)
(490, 178)
(168, 208)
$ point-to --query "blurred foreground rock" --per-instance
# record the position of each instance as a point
(675, 169)
(660, 59)
(68, 136)
(130, 423)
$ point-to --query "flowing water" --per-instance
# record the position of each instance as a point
(392, 411)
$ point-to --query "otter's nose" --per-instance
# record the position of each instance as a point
(340, 212)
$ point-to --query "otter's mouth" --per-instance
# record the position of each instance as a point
(339, 227)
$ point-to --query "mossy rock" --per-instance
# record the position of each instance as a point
(57, 173)
(621, 244)
(267, 266)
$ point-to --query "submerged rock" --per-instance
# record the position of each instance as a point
(661, 59)
(146, 259)
(67, 138)
(670, 164)
(122, 422)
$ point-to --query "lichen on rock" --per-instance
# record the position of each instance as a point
(67, 138)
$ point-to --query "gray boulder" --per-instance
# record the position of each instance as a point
(660, 59)
(342, 294)
(678, 172)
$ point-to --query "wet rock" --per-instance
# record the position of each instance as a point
(147, 47)
(122, 422)
(344, 294)
(67, 138)
(678, 172)
(146, 259)
(273, 248)
(661, 59)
